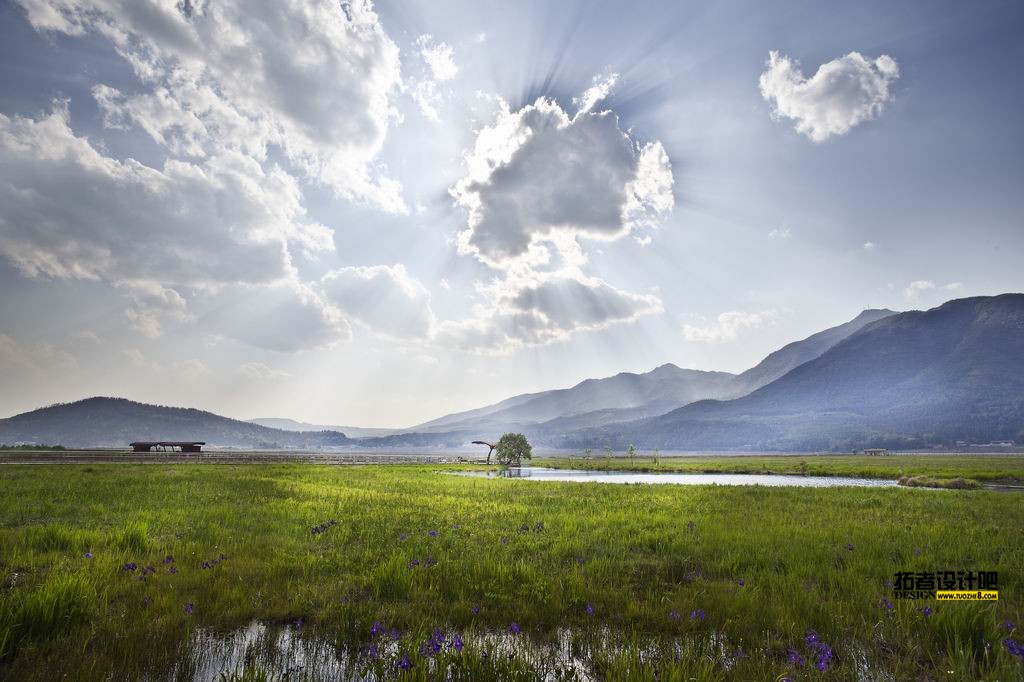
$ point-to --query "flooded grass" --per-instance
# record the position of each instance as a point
(197, 572)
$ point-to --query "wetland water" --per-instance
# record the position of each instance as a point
(773, 480)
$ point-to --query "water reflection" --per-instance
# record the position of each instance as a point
(772, 480)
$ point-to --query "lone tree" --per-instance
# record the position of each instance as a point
(513, 448)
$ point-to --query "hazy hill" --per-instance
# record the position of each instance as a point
(915, 378)
(797, 353)
(115, 422)
(293, 425)
(654, 392)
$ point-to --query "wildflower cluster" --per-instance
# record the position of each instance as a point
(822, 651)
(439, 642)
(323, 527)
(212, 562)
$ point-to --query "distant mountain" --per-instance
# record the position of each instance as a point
(592, 401)
(115, 422)
(797, 353)
(955, 372)
(292, 425)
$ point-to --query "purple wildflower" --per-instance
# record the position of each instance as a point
(795, 658)
(428, 562)
(812, 637)
(414, 563)
(927, 611)
(130, 566)
(371, 651)
(1014, 647)
(1007, 625)
(484, 655)
(888, 605)
(697, 615)
(674, 615)
(88, 555)
(189, 608)
(403, 537)
(172, 570)
(299, 622)
(404, 663)
(589, 609)
(457, 643)
(691, 525)
(849, 546)
(433, 533)
(146, 601)
(741, 582)
(475, 609)
(514, 628)
(824, 657)
(504, 541)
(376, 628)
(168, 559)
(539, 526)
(580, 560)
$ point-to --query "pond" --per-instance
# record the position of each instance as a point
(584, 476)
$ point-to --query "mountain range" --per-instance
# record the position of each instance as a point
(907, 379)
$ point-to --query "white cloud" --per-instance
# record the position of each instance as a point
(261, 372)
(72, 213)
(543, 308)
(914, 291)
(728, 325)
(437, 67)
(313, 79)
(151, 303)
(385, 299)
(439, 57)
(843, 93)
(601, 88)
(285, 316)
(784, 232)
(537, 174)
(538, 183)
(869, 246)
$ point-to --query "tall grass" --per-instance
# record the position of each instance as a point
(763, 565)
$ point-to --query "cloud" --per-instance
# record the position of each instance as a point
(539, 183)
(918, 288)
(601, 88)
(784, 232)
(385, 299)
(261, 372)
(72, 213)
(312, 79)
(869, 246)
(15, 356)
(151, 303)
(285, 316)
(842, 94)
(536, 174)
(439, 57)
(728, 326)
(541, 309)
(437, 67)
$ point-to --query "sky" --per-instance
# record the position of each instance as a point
(374, 214)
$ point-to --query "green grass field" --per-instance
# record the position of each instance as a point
(637, 583)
